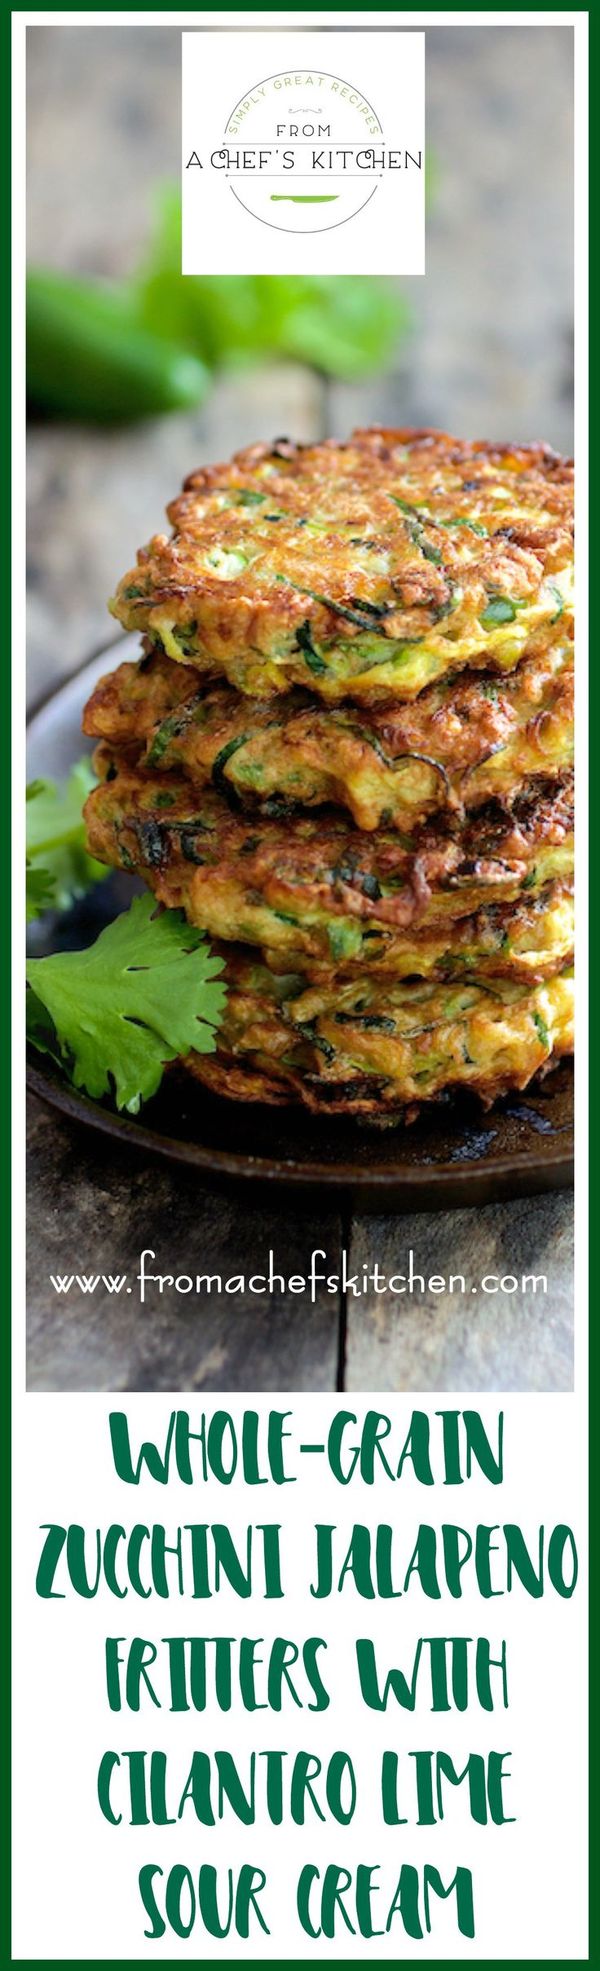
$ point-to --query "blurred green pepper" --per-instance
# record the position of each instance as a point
(88, 355)
(151, 343)
(342, 325)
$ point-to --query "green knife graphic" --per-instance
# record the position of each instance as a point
(304, 198)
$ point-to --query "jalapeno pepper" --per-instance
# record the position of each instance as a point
(89, 357)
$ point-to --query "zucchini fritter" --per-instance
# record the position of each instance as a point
(364, 570)
(456, 745)
(528, 940)
(389, 822)
(314, 885)
(365, 1050)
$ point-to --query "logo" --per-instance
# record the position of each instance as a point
(303, 151)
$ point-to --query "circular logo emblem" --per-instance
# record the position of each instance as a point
(303, 151)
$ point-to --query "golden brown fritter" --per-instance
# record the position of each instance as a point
(528, 940)
(365, 570)
(366, 1050)
(314, 884)
(458, 743)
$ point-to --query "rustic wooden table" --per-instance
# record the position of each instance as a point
(489, 354)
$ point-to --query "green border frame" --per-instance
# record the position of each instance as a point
(223, 6)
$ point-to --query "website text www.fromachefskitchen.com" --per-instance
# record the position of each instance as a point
(152, 1278)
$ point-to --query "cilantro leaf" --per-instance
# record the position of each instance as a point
(142, 995)
(58, 866)
(39, 890)
(40, 1030)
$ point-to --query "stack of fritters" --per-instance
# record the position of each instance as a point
(348, 743)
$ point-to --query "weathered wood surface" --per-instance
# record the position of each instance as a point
(475, 1339)
(94, 1209)
(490, 355)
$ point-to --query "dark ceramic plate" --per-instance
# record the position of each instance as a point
(456, 1155)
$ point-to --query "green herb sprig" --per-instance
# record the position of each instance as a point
(58, 867)
(147, 992)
